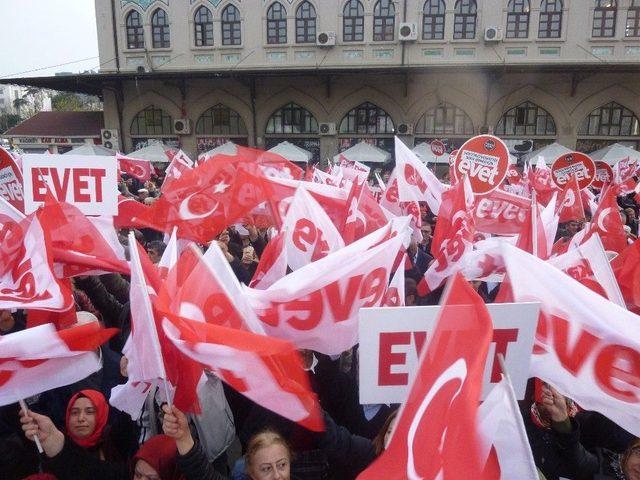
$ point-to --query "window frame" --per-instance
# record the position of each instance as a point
(135, 31)
(355, 22)
(369, 116)
(203, 31)
(443, 128)
(609, 109)
(465, 15)
(633, 14)
(308, 24)
(601, 14)
(518, 16)
(234, 26)
(384, 21)
(153, 112)
(281, 122)
(434, 20)
(549, 18)
(524, 128)
(277, 25)
(206, 124)
(161, 30)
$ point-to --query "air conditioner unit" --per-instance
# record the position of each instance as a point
(182, 126)
(327, 129)
(492, 34)
(408, 32)
(326, 39)
(110, 138)
(404, 129)
(141, 69)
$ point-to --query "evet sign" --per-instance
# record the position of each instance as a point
(604, 174)
(484, 159)
(501, 213)
(437, 148)
(391, 340)
(573, 163)
(88, 182)
(11, 181)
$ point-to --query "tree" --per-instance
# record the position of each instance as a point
(73, 102)
(8, 120)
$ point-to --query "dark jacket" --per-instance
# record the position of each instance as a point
(419, 264)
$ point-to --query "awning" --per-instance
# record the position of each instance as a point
(91, 149)
(292, 152)
(156, 152)
(550, 153)
(365, 153)
(614, 153)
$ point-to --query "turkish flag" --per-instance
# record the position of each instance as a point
(436, 434)
(626, 268)
(607, 223)
(532, 237)
(128, 209)
(135, 167)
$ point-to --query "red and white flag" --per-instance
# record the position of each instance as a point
(436, 434)
(500, 212)
(26, 271)
(316, 307)
(395, 296)
(143, 350)
(38, 359)
(503, 434)
(135, 167)
(607, 223)
(586, 346)
(541, 181)
(180, 164)
(626, 268)
(415, 181)
(77, 246)
(532, 237)
(272, 265)
(570, 202)
(453, 237)
(128, 210)
(309, 234)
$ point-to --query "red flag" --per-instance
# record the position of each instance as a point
(453, 236)
(39, 359)
(541, 181)
(626, 268)
(137, 168)
(128, 209)
(532, 237)
(501, 213)
(607, 223)
(78, 248)
(436, 435)
(570, 202)
(273, 264)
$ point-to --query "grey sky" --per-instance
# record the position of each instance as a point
(42, 33)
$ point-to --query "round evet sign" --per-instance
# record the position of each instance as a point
(484, 159)
(573, 163)
(438, 148)
(604, 174)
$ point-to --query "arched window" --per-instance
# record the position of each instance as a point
(160, 29)
(518, 19)
(384, 21)
(550, 25)
(526, 119)
(610, 120)
(292, 119)
(445, 119)
(305, 23)
(353, 21)
(464, 20)
(276, 24)
(231, 28)
(433, 20)
(135, 30)
(220, 120)
(604, 18)
(633, 20)
(367, 119)
(203, 25)
(152, 121)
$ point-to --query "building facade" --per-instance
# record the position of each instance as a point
(327, 74)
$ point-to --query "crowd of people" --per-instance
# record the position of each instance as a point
(83, 437)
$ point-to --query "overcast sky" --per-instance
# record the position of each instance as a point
(42, 33)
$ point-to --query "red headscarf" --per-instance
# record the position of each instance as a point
(162, 454)
(102, 414)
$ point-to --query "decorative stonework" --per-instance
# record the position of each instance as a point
(144, 4)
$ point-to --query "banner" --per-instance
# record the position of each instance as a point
(501, 213)
(484, 159)
(87, 182)
(11, 181)
(391, 340)
(573, 163)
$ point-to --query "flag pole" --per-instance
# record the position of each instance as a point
(23, 407)
(534, 223)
